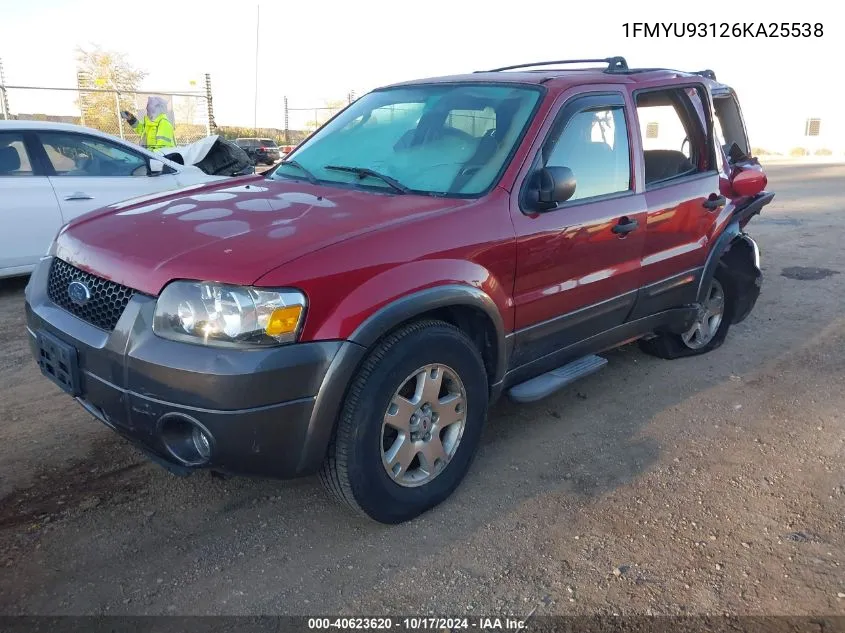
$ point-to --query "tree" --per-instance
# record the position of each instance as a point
(185, 109)
(106, 70)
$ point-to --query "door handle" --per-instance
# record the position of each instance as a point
(625, 226)
(79, 195)
(714, 202)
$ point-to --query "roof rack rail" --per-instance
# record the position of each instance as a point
(706, 73)
(613, 64)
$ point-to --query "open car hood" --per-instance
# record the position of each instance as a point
(213, 155)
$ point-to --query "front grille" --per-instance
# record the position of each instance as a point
(108, 299)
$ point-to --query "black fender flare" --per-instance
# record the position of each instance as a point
(741, 256)
(328, 403)
(444, 296)
(733, 232)
(720, 247)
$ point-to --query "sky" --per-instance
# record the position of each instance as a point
(320, 50)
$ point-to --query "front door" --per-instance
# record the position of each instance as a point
(29, 211)
(578, 265)
(90, 172)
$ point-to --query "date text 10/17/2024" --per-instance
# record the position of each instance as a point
(418, 624)
(723, 29)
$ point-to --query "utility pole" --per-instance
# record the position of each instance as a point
(4, 98)
(287, 127)
(83, 81)
(255, 103)
(210, 124)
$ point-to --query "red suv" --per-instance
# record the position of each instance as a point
(355, 311)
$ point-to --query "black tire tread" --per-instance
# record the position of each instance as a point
(334, 473)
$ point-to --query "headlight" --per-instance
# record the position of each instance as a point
(223, 315)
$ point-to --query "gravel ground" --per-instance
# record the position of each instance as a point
(708, 485)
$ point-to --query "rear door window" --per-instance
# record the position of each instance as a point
(673, 130)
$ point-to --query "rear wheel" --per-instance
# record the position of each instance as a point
(710, 328)
(410, 424)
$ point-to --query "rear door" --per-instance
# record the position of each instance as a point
(88, 172)
(577, 272)
(29, 211)
(682, 191)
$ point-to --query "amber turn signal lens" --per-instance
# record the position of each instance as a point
(283, 321)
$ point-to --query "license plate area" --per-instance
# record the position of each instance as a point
(59, 362)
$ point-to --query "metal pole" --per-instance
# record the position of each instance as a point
(117, 111)
(209, 119)
(255, 104)
(207, 123)
(4, 98)
(81, 82)
(287, 127)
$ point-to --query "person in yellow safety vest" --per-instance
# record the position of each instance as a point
(155, 129)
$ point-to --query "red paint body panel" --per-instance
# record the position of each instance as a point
(470, 243)
(570, 259)
(678, 228)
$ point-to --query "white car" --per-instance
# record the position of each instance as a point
(51, 173)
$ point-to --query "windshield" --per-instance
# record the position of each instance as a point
(445, 139)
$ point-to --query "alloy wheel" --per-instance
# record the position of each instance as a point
(423, 425)
(709, 318)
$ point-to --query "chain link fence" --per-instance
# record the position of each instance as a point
(191, 113)
(100, 108)
(307, 119)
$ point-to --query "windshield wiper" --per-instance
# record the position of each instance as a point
(293, 163)
(363, 172)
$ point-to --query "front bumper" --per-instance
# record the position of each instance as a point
(268, 412)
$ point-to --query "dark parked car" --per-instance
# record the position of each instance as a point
(260, 150)
(437, 244)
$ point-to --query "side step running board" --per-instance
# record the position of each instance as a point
(546, 384)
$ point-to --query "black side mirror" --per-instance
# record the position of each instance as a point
(551, 185)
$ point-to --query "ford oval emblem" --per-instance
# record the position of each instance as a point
(79, 293)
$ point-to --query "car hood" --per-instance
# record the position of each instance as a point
(230, 232)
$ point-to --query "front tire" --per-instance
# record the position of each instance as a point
(410, 424)
(710, 328)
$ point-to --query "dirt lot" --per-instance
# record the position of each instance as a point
(715, 484)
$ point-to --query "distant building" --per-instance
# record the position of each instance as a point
(808, 127)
